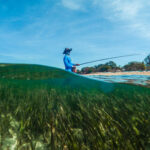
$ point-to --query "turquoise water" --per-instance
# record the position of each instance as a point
(134, 79)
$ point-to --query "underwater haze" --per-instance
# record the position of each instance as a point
(45, 108)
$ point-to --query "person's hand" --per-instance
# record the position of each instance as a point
(73, 68)
(77, 64)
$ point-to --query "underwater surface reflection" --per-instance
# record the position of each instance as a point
(134, 79)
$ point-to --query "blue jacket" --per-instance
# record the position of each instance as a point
(68, 63)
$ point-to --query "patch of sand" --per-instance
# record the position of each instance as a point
(121, 73)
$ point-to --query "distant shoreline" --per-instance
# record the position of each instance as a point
(147, 73)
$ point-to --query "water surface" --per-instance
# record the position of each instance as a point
(134, 79)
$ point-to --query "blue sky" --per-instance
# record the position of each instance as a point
(37, 32)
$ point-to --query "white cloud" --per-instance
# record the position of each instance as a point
(126, 9)
(74, 4)
(71, 4)
(133, 14)
(141, 28)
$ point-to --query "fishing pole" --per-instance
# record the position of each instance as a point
(107, 59)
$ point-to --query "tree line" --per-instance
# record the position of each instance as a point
(111, 66)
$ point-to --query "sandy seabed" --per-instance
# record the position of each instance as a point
(121, 73)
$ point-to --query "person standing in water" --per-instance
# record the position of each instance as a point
(69, 66)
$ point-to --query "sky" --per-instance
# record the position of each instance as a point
(36, 32)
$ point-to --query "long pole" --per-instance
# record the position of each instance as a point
(108, 59)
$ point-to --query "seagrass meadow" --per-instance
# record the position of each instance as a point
(45, 108)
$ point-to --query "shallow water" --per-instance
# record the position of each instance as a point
(44, 108)
(134, 79)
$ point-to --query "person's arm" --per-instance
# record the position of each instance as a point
(77, 64)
